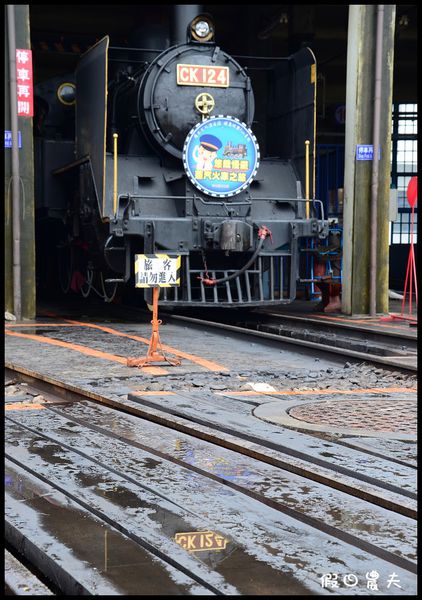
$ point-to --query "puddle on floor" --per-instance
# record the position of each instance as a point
(122, 562)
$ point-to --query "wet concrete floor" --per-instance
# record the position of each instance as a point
(142, 499)
(256, 533)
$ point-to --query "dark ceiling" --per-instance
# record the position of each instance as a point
(60, 33)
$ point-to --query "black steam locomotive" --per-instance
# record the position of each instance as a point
(148, 152)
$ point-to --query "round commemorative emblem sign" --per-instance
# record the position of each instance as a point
(221, 156)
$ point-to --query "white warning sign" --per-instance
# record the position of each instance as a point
(157, 270)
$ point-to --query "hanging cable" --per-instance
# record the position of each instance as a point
(263, 232)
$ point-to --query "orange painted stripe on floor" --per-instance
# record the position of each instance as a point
(154, 393)
(203, 362)
(24, 406)
(85, 350)
(41, 325)
(317, 392)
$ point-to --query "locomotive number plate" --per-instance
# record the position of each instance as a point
(202, 75)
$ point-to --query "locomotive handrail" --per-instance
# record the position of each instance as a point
(71, 165)
(261, 57)
(124, 48)
(210, 203)
(229, 204)
(143, 196)
(313, 200)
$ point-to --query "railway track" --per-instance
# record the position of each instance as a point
(157, 478)
(395, 349)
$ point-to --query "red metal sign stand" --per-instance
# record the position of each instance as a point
(412, 198)
(152, 354)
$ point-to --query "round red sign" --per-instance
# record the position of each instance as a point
(412, 191)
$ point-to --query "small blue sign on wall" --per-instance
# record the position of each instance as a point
(8, 139)
(221, 156)
(366, 152)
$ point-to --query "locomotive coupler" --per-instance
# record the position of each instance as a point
(235, 236)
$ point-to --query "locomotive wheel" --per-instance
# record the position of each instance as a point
(109, 289)
(87, 285)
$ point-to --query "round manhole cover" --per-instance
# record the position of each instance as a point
(397, 416)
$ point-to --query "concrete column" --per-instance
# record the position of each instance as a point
(384, 182)
(360, 89)
(26, 183)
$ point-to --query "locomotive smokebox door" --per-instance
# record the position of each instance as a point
(236, 236)
(168, 99)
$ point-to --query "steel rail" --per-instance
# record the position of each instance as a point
(239, 442)
(358, 326)
(406, 362)
(275, 504)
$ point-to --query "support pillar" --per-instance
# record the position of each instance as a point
(360, 92)
(25, 185)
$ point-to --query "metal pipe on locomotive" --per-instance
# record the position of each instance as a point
(236, 221)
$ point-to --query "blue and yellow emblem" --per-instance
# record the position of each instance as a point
(221, 156)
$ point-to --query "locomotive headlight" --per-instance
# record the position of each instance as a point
(202, 29)
(66, 93)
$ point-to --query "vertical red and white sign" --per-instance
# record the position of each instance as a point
(24, 83)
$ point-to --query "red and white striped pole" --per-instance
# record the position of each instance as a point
(412, 198)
